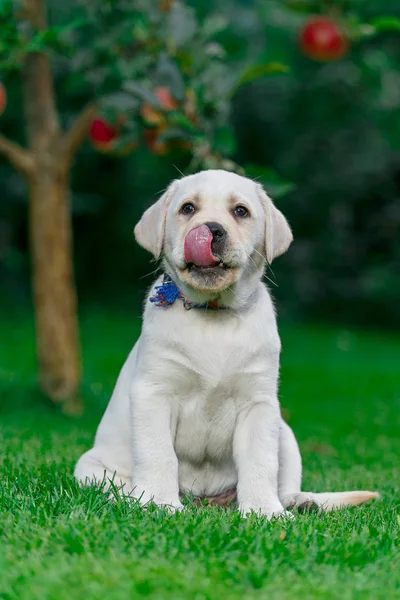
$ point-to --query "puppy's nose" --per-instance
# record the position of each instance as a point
(218, 232)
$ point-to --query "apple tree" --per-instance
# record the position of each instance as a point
(152, 73)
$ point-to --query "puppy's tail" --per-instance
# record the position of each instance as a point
(327, 501)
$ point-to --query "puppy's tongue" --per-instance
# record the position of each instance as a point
(198, 247)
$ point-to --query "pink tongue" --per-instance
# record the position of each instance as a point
(198, 247)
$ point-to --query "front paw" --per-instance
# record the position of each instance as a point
(168, 501)
(270, 511)
(171, 506)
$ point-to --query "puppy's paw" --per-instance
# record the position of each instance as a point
(286, 514)
(303, 502)
(160, 499)
(269, 511)
(172, 507)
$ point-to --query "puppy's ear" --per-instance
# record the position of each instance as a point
(150, 230)
(278, 235)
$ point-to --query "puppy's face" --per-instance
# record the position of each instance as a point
(214, 228)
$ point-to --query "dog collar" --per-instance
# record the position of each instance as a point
(168, 293)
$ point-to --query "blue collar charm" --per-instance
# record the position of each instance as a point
(168, 293)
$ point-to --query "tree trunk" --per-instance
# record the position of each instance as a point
(50, 228)
(53, 286)
(46, 165)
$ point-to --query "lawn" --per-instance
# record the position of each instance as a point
(341, 393)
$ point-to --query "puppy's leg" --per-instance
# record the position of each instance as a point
(90, 470)
(255, 451)
(289, 481)
(290, 471)
(155, 464)
(290, 468)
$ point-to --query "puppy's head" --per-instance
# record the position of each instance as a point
(213, 229)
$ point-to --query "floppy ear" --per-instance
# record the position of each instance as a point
(278, 235)
(150, 230)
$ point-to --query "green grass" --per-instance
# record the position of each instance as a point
(341, 393)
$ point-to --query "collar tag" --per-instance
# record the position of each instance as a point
(168, 293)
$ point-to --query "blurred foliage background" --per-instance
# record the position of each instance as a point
(323, 137)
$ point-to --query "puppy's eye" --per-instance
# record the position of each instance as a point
(188, 209)
(241, 211)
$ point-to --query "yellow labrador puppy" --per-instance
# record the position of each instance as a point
(195, 409)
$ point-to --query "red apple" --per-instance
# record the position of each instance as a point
(3, 98)
(102, 134)
(322, 39)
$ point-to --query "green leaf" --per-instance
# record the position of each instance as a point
(257, 71)
(120, 102)
(218, 82)
(49, 36)
(174, 133)
(168, 75)
(214, 24)
(181, 24)
(212, 49)
(129, 137)
(142, 92)
(178, 119)
(140, 31)
(385, 23)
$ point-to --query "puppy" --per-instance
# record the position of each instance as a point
(195, 409)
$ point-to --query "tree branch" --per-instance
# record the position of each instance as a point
(79, 128)
(23, 160)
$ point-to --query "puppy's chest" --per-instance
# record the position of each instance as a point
(215, 354)
(205, 424)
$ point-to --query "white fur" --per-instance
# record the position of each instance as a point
(195, 408)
